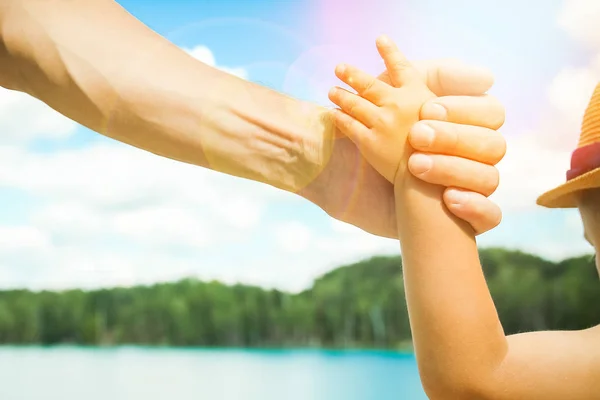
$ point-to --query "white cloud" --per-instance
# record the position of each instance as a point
(22, 238)
(112, 214)
(537, 160)
(528, 170)
(343, 227)
(24, 118)
(570, 91)
(580, 19)
(293, 236)
(205, 55)
(119, 176)
(115, 215)
(121, 190)
(158, 225)
(303, 254)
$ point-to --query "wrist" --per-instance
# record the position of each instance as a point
(312, 175)
(317, 139)
(262, 135)
(403, 175)
(303, 143)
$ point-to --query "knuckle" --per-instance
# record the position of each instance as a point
(368, 86)
(348, 104)
(347, 122)
(448, 172)
(351, 106)
(452, 137)
(347, 125)
(385, 119)
(402, 104)
(401, 65)
(342, 120)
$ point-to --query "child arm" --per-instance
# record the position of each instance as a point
(461, 349)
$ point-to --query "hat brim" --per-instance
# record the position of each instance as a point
(566, 195)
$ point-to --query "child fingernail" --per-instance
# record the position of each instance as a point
(383, 39)
(435, 111)
(419, 163)
(421, 135)
(456, 197)
(341, 69)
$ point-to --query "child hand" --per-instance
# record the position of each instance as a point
(378, 118)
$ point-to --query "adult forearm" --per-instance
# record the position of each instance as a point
(125, 81)
(457, 335)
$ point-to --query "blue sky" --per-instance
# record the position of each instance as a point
(59, 226)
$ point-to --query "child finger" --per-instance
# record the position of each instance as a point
(399, 68)
(351, 127)
(367, 86)
(354, 105)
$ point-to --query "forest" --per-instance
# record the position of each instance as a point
(354, 306)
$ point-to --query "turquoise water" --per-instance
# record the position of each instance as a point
(129, 373)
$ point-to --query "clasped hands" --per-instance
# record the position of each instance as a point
(453, 139)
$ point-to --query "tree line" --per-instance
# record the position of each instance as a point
(359, 305)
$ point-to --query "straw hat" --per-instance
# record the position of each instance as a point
(585, 162)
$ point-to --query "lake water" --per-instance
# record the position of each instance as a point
(130, 373)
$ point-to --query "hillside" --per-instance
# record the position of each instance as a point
(359, 305)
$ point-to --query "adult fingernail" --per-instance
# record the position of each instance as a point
(456, 197)
(434, 111)
(419, 163)
(421, 135)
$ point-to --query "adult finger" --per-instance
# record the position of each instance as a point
(452, 77)
(451, 171)
(474, 208)
(485, 111)
(468, 141)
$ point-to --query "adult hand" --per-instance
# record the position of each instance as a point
(456, 145)
(177, 107)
